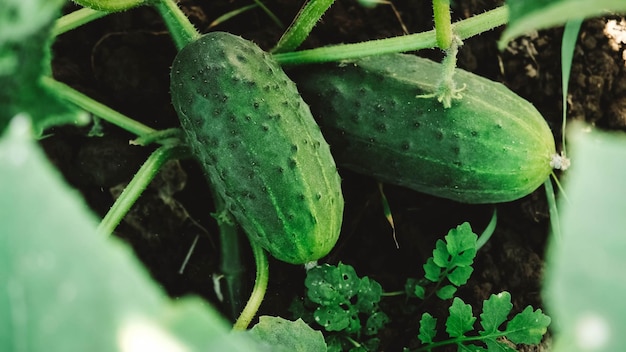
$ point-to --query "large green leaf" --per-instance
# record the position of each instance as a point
(585, 284)
(529, 15)
(64, 288)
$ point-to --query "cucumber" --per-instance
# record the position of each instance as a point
(491, 146)
(258, 145)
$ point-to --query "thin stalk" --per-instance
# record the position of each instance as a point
(555, 223)
(488, 231)
(568, 44)
(138, 184)
(463, 29)
(106, 113)
(300, 28)
(181, 29)
(443, 23)
(269, 13)
(229, 15)
(258, 292)
(76, 19)
(231, 266)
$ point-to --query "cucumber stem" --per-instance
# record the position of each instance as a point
(299, 30)
(138, 184)
(443, 23)
(555, 222)
(76, 19)
(181, 29)
(230, 265)
(106, 113)
(425, 40)
(258, 292)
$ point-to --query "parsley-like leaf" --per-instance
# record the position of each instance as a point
(461, 319)
(428, 326)
(495, 311)
(527, 327)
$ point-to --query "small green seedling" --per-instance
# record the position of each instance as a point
(449, 267)
(346, 306)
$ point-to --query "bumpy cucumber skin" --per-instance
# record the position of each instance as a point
(259, 146)
(491, 146)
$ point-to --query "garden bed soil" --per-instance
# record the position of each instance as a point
(123, 61)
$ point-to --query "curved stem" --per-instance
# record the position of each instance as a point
(76, 19)
(555, 222)
(181, 29)
(231, 266)
(106, 113)
(488, 231)
(138, 184)
(260, 287)
(463, 29)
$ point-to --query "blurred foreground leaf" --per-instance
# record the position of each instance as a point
(282, 335)
(66, 289)
(585, 284)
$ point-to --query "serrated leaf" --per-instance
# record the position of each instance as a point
(461, 319)
(441, 256)
(446, 292)
(332, 285)
(529, 15)
(460, 275)
(375, 322)
(368, 295)
(427, 331)
(288, 336)
(335, 318)
(461, 244)
(495, 311)
(432, 272)
(527, 327)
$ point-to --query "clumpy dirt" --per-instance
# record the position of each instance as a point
(123, 61)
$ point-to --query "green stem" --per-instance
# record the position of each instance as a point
(443, 23)
(181, 29)
(488, 231)
(299, 30)
(230, 265)
(463, 29)
(76, 19)
(269, 13)
(260, 287)
(70, 94)
(138, 184)
(492, 336)
(555, 222)
(568, 44)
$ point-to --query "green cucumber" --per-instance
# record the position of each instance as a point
(259, 146)
(491, 146)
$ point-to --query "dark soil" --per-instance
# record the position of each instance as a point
(123, 61)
